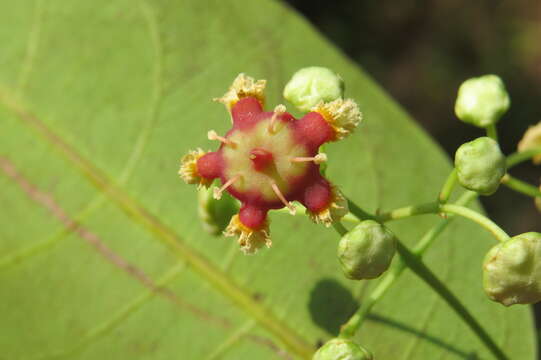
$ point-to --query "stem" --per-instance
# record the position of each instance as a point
(492, 132)
(521, 186)
(337, 225)
(478, 218)
(518, 157)
(435, 208)
(409, 211)
(358, 212)
(436, 230)
(448, 187)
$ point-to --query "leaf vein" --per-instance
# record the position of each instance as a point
(31, 48)
(208, 271)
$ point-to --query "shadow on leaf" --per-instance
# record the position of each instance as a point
(331, 305)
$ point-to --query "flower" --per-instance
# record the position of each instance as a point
(269, 159)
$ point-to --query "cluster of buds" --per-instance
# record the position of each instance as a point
(512, 269)
(269, 159)
(480, 164)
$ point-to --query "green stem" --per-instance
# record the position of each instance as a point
(473, 215)
(359, 212)
(521, 186)
(409, 211)
(448, 187)
(436, 208)
(436, 230)
(339, 228)
(492, 132)
(518, 157)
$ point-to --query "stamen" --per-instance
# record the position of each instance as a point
(278, 193)
(278, 111)
(318, 159)
(217, 192)
(212, 135)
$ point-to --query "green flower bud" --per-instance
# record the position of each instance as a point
(342, 349)
(312, 85)
(482, 101)
(480, 165)
(215, 214)
(366, 251)
(512, 270)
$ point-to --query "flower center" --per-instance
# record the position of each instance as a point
(261, 159)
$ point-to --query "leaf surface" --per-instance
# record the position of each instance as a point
(126, 87)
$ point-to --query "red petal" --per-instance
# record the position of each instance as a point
(245, 111)
(313, 130)
(252, 217)
(209, 166)
(317, 196)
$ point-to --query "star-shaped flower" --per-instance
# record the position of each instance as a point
(269, 159)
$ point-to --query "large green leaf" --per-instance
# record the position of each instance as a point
(99, 99)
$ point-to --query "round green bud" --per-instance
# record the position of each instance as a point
(342, 349)
(512, 270)
(480, 165)
(366, 251)
(482, 101)
(311, 85)
(215, 214)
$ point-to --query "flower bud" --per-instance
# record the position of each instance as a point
(338, 349)
(215, 214)
(366, 251)
(312, 85)
(512, 270)
(480, 165)
(482, 101)
(532, 140)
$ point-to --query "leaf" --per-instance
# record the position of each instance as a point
(98, 101)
